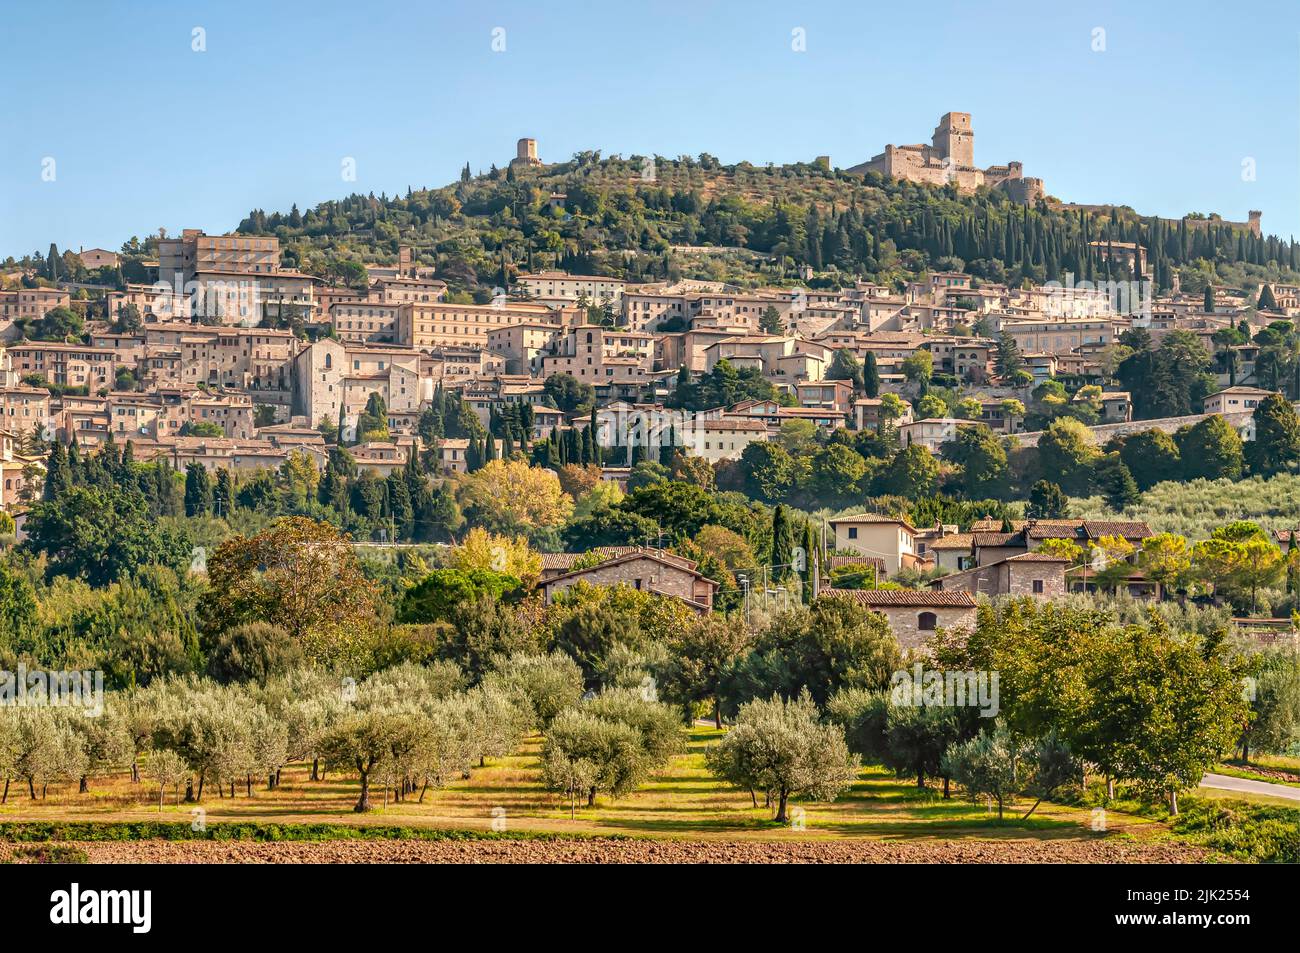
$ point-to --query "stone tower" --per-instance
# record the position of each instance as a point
(525, 153)
(1255, 216)
(954, 139)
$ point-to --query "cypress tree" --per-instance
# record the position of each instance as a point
(58, 473)
(782, 543)
(870, 376)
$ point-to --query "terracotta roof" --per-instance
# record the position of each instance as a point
(1129, 529)
(997, 539)
(566, 560)
(906, 598)
(1055, 529)
(837, 562)
(872, 518)
(1036, 558)
(953, 541)
(626, 553)
(991, 525)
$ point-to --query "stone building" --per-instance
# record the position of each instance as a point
(950, 158)
(646, 571)
(1039, 575)
(915, 616)
(526, 153)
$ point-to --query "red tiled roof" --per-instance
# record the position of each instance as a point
(836, 562)
(906, 598)
(872, 518)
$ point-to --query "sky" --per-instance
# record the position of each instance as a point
(118, 118)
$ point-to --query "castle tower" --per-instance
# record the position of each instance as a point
(954, 139)
(1254, 222)
(526, 153)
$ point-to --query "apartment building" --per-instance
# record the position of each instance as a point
(68, 365)
(22, 408)
(31, 303)
(783, 360)
(1234, 400)
(561, 288)
(1062, 337)
(426, 325)
(600, 355)
(523, 345)
(181, 260)
(243, 358)
(329, 375)
(723, 439)
(835, 396)
(156, 303)
(870, 534)
(365, 322)
(240, 298)
(401, 290)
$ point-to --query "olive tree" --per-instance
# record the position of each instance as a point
(360, 742)
(611, 747)
(167, 769)
(544, 684)
(985, 766)
(783, 748)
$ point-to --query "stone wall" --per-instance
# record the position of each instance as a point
(903, 620)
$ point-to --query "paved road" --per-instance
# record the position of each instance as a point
(1225, 783)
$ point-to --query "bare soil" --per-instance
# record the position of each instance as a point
(605, 851)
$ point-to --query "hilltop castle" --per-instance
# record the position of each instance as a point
(950, 157)
(526, 153)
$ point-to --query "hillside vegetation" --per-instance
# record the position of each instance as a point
(695, 218)
(1196, 508)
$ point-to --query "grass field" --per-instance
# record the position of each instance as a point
(682, 801)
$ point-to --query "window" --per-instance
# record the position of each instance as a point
(1038, 587)
(853, 532)
(925, 622)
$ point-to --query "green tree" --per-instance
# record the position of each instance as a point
(298, 574)
(870, 376)
(983, 461)
(913, 472)
(985, 766)
(1066, 452)
(833, 643)
(782, 748)
(1210, 449)
(198, 490)
(1047, 501)
(102, 536)
(1152, 457)
(1116, 484)
(1267, 300)
(1276, 446)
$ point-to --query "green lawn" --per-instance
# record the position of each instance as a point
(683, 801)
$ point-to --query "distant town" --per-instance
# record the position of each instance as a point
(569, 476)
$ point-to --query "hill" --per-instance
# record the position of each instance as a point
(749, 225)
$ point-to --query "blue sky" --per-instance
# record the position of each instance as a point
(145, 132)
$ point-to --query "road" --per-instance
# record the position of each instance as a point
(1246, 786)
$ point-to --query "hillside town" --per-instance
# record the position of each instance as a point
(233, 362)
(627, 492)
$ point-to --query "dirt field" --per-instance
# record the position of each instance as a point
(606, 851)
